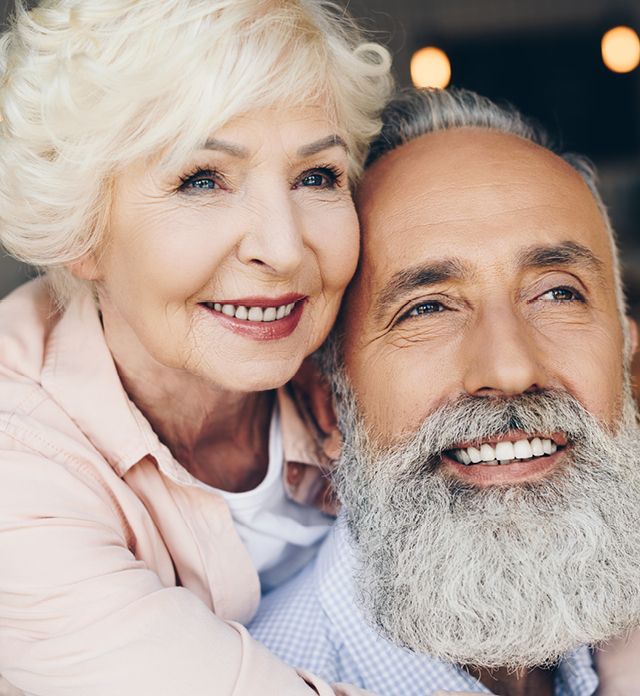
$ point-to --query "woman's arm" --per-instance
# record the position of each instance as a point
(79, 614)
(618, 666)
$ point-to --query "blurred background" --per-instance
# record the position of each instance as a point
(556, 60)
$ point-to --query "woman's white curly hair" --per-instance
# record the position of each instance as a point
(89, 86)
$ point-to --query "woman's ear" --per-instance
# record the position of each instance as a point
(86, 267)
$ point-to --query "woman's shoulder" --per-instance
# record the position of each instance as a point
(27, 316)
(37, 432)
(27, 413)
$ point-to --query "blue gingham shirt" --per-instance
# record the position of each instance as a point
(312, 621)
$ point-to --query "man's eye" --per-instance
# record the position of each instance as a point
(562, 295)
(426, 308)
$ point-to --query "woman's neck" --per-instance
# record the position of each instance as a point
(220, 437)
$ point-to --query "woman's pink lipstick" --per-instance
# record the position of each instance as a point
(261, 330)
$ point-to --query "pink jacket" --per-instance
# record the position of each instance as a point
(119, 573)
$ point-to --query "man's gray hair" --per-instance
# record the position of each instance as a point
(413, 113)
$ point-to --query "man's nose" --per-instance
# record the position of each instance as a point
(274, 240)
(503, 357)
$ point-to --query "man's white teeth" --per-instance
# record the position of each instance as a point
(536, 447)
(474, 454)
(252, 313)
(487, 453)
(505, 452)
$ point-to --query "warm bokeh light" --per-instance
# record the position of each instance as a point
(621, 49)
(430, 67)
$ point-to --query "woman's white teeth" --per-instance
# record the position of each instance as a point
(252, 313)
(505, 452)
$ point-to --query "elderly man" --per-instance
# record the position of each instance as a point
(490, 477)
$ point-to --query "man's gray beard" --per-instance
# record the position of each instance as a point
(501, 576)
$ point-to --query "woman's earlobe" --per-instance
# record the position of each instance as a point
(86, 267)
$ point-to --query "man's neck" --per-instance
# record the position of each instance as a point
(535, 682)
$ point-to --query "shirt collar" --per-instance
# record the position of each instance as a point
(80, 374)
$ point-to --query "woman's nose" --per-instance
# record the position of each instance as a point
(503, 356)
(275, 238)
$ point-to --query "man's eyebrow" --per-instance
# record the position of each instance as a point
(563, 254)
(225, 146)
(330, 141)
(414, 278)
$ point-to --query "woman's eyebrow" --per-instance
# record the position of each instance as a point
(410, 279)
(333, 140)
(330, 141)
(226, 146)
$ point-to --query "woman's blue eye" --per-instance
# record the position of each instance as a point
(319, 178)
(313, 180)
(203, 180)
(203, 183)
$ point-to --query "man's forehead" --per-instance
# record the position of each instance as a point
(455, 193)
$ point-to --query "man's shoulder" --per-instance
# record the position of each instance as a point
(313, 621)
(293, 624)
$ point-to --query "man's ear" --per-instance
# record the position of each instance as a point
(87, 268)
(633, 338)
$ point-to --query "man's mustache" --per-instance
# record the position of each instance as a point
(472, 419)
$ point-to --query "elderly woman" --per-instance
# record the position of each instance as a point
(181, 170)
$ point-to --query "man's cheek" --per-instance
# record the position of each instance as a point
(399, 394)
(594, 374)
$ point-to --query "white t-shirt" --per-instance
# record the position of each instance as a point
(280, 535)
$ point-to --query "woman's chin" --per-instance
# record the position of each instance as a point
(237, 361)
(253, 375)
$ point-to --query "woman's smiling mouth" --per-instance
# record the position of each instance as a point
(259, 318)
(248, 313)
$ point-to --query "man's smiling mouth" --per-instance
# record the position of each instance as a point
(505, 452)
